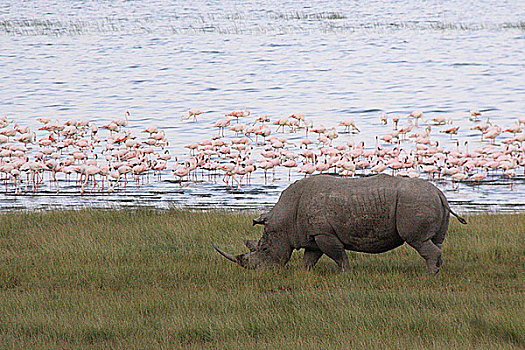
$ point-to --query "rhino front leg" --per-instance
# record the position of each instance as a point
(334, 248)
(311, 257)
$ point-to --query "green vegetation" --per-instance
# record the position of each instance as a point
(146, 279)
(234, 23)
(311, 16)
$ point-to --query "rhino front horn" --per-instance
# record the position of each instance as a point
(226, 255)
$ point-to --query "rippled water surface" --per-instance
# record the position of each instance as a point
(330, 61)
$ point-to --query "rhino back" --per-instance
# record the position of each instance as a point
(361, 212)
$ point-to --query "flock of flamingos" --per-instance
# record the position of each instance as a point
(79, 154)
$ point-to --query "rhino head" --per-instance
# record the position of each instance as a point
(268, 252)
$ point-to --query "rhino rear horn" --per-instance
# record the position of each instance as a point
(251, 244)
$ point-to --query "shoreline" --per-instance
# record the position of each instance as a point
(465, 208)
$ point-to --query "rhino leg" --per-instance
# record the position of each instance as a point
(425, 232)
(430, 252)
(334, 248)
(440, 236)
(440, 260)
(311, 257)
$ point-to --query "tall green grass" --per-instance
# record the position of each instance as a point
(147, 279)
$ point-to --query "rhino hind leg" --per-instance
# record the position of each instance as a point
(311, 257)
(440, 236)
(431, 253)
(425, 233)
(440, 260)
(334, 248)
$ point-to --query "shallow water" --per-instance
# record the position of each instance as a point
(157, 59)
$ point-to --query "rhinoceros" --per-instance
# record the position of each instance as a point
(328, 214)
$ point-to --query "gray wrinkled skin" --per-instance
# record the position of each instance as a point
(328, 215)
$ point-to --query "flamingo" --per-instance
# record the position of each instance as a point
(122, 122)
(439, 120)
(193, 113)
(406, 129)
(417, 115)
(282, 122)
(516, 129)
(451, 131)
(383, 118)
(307, 169)
(151, 129)
(239, 114)
(300, 118)
(89, 171)
(221, 124)
(43, 120)
(181, 172)
(290, 163)
(492, 133)
(474, 115)
(266, 165)
(349, 124)
(322, 166)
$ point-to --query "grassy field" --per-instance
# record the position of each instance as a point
(146, 279)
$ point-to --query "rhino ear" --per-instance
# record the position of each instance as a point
(261, 220)
(251, 244)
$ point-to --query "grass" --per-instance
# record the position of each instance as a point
(147, 279)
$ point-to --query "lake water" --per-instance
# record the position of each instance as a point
(331, 61)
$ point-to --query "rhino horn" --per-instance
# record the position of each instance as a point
(226, 255)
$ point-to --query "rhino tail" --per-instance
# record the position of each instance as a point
(460, 219)
(445, 204)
